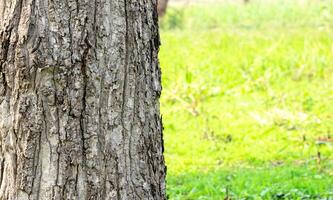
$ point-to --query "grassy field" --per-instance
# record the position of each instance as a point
(247, 100)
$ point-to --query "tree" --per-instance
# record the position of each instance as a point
(79, 100)
(161, 7)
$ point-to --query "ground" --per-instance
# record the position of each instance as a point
(247, 100)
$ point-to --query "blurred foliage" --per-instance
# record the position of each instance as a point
(248, 88)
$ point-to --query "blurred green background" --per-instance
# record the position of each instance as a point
(247, 99)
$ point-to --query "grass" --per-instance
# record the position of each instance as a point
(286, 182)
(247, 100)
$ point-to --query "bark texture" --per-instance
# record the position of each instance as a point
(79, 100)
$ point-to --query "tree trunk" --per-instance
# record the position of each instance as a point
(79, 100)
(161, 7)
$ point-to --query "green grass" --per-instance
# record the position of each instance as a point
(287, 182)
(248, 93)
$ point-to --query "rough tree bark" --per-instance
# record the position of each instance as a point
(79, 100)
(161, 7)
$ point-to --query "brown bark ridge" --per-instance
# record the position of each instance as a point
(79, 100)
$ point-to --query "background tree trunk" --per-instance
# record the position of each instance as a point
(79, 100)
(161, 7)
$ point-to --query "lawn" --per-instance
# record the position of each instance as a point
(247, 100)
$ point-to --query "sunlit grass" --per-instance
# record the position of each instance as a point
(247, 86)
